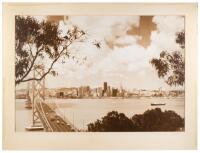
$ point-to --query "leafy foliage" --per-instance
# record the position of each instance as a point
(156, 120)
(171, 66)
(34, 40)
(114, 122)
(150, 120)
(181, 39)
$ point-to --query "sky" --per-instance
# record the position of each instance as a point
(128, 43)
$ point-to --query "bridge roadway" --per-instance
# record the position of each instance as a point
(52, 122)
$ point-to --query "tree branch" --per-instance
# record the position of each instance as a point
(30, 50)
(31, 66)
(53, 62)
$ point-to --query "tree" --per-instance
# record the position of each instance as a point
(156, 120)
(35, 41)
(150, 120)
(171, 66)
(113, 122)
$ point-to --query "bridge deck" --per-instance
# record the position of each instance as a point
(57, 123)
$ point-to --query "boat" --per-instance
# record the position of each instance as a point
(157, 104)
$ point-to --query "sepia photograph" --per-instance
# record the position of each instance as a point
(121, 73)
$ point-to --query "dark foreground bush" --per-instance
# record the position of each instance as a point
(150, 120)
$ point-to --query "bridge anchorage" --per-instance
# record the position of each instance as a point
(44, 117)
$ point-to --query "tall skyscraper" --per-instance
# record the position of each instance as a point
(108, 91)
(105, 86)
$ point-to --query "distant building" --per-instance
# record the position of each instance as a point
(99, 92)
(108, 91)
(80, 92)
(94, 92)
(114, 92)
(105, 86)
(84, 91)
(60, 94)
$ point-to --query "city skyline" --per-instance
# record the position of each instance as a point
(105, 90)
(118, 87)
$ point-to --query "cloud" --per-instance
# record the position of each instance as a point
(103, 26)
(165, 35)
(106, 28)
(169, 24)
(126, 61)
(126, 40)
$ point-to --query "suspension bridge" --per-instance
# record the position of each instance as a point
(44, 117)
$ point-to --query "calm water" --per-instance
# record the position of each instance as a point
(23, 116)
(81, 112)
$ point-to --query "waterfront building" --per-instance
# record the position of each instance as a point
(99, 91)
(108, 91)
(105, 85)
(114, 92)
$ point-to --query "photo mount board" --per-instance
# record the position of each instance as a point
(99, 140)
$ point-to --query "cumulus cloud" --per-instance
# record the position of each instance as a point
(126, 40)
(126, 62)
(106, 28)
(164, 37)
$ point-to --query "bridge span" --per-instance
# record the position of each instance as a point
(44, 117)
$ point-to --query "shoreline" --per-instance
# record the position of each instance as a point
(142, 97)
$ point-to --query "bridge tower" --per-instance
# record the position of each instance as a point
(38, 94)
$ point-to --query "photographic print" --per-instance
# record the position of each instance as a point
(99, 73)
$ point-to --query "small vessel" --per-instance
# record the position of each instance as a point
(157, 104)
